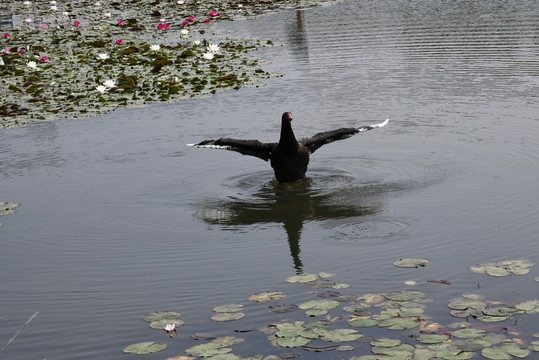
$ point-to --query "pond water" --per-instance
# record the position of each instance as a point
(119, 218)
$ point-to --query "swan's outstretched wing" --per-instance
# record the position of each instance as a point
(327, 137)
(245, 147)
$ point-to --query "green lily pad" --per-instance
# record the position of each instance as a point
(495, 353)
(339, 335)
(319, 283)
(401, 323)
(293, 341)
(386, 342)
(325, 275)
(161, 315)
(531, 306)
(267, 296)
(283, 308)
(411, 262)
(468, 333)
(302, 278)
(513, 349)
(464, 303)
(160, 324)
(215, 347)
(424, 354)
(536, 278)
(363, 322)
(228, 308)
(146, 347)
(318, 307)
(433, 338)
(221, 317)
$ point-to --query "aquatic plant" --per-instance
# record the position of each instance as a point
(55, 70)
(332, 323)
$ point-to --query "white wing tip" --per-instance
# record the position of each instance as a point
(226, 147)
(382, 124)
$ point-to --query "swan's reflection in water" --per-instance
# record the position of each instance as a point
(314, 198)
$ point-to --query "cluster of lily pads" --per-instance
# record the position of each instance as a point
(82, 58)
(7, 208)
(336, 321)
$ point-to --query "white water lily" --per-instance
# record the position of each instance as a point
(28, 21)
(196, 42)
(54, 8)
(110, 84)
(32, 65)
(108, 14)
(213, 48)
(208, 55)
(155, 47)
(27, 3)
(101, 88)
(102, 56)
(170, 327)
(1, 62)
(184, 32)
(180, 2)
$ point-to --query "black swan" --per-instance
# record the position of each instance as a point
(289, 157)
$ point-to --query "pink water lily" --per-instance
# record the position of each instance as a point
(163, 26)
(207, 20)
(6, 36)
(185, 23)
(76, 23)
(22, 51)
(44, 26)
(5, 51)
(191, 18)
(44, 58)
(214, 13)
(119, 41)
(120, 22)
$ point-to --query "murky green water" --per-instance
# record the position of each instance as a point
(118, 217)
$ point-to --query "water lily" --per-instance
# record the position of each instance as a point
(185, 23)
(108, 14)
(213, 48)
(191, 18)
(103, 56)
(110, 84)
(184, 32)
(240, 6)
(119, 41)
(44, 58)
(196, 42)
(6, 36)
(180, 2)
(76, 23)
(208, 56)
(22, 51)
(120, 22)
(207, 20)
(214, 13)
(44, 26)
(65, 13)
(53, 2)
(170, 327)
(28, 21)
(163, 26)
(101, 88)
(27, 3)
(5, 51)
(155, 47)
(32, 65)
(1, 62)
(97, 4)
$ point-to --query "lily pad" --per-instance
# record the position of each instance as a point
(363, 322)
(228, 308)
(411, 262)
(7, 208)
(283, 308)
(318, 307)
(339, 335)
(225, 316)
(216, 347)
(267, 296)
(386, 342)
(293, 341)
(433, 338)
(302, 278)
(531, 306)
(161, 315)
(160, 324)
(495, 353)
(401, 323)
(468, 333)
(143, 348)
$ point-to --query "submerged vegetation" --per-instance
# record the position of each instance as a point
(348, 323)
(82, 58)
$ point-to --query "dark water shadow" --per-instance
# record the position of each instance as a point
(324, 196)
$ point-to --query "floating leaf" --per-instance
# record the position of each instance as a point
(468, 333)
(320, 348)
(363, 322)
(318, 307)
(319, 283)
(433, 338)
(142, 348)
(216, 347)
(372, 298)
(293, 341)
(401, 323)
(386, 342)
(228, 308)
(411, 262)
(160, 324)
(494, 353)
(225, 316)
(301, 278)
(267, 296)
(531, 306)
(339, 335)
(7, 208)
(325, 275)
(283, 308)
(161, 315)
